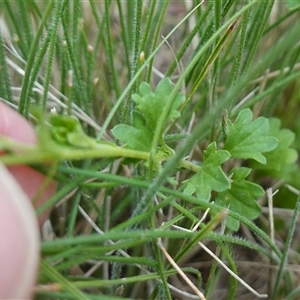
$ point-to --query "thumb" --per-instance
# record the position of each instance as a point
(19, 240)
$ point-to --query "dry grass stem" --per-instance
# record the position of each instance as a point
(181, 273)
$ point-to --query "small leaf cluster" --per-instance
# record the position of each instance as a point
(261, 141)
(67, 130)
(149, 107)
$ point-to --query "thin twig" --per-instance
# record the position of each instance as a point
(201, 220)
(177, 268)
(271, 215)
(292, 189)
(272, 235)
(246, 285)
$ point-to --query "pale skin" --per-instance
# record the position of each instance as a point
(19, 226)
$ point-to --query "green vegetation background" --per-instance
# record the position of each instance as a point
(233, 69)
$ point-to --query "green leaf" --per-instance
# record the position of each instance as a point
(211, 176)
(292, 4)
(249, 139)
(151, 104)
(137, 137)
(241, 197)
(282, 154)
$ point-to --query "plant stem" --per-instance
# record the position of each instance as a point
(37, 154)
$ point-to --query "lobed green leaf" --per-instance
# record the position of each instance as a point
(211, 176)
(282, 155)
(249, 139)
(151, 104)
(241, 197)
(137, 137)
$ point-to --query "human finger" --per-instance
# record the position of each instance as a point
(19, 240)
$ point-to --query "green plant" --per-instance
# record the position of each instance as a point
(151, 166)
(245, 139)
